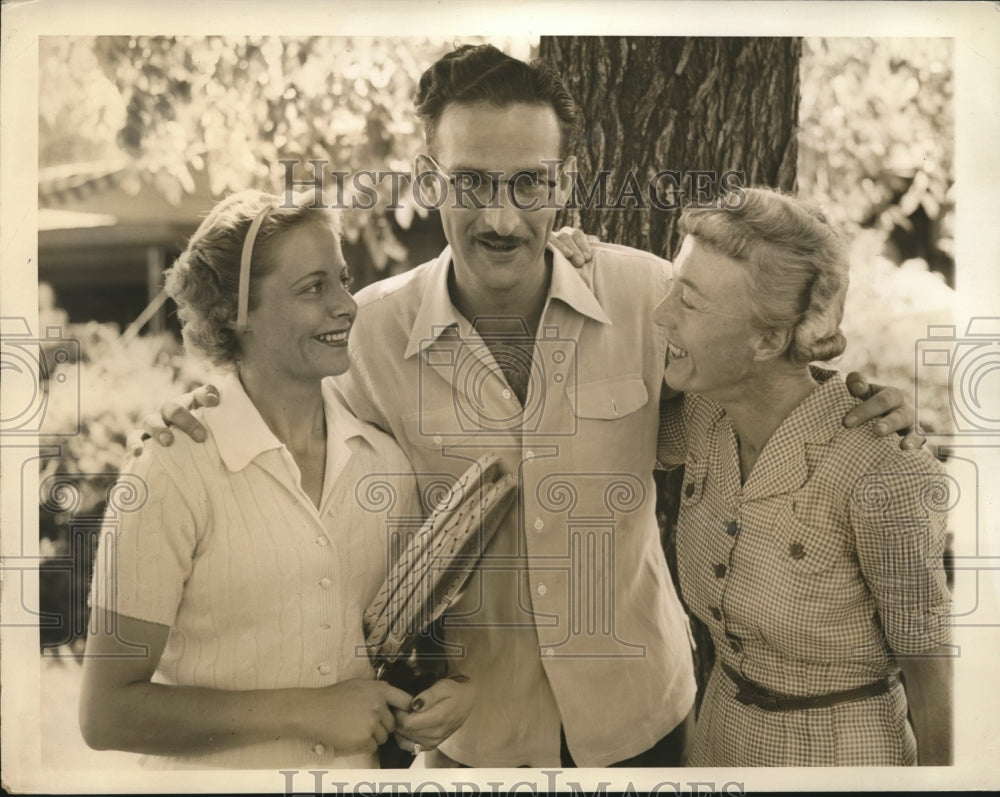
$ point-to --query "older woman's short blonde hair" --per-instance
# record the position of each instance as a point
(204, 281)
(796, 264)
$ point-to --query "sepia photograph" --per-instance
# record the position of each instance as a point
(546, 397)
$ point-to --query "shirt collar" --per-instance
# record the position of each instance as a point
(241, 434)
(437, 315)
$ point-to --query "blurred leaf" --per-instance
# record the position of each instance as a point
(877, 129)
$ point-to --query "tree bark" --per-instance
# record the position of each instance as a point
(688, 105)
(682, 104)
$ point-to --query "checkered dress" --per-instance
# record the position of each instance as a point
(813, 577)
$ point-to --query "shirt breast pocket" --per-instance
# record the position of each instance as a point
(608, 399)
(437, 428)
(808, 549)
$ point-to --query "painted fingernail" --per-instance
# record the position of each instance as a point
(164, 438)
(851, 419)
(416, 704)
(198, 435)
(881, 428)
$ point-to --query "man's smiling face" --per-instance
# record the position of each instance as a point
(498, 250)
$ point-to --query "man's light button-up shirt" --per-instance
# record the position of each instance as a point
(615, 692)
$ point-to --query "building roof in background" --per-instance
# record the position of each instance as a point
(114, 193)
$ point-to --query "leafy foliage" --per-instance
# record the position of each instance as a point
(876, 152)
(232, 108)
(877, 131)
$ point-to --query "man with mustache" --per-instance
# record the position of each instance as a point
(571, 634)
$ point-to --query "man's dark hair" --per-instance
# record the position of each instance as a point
(482, 73)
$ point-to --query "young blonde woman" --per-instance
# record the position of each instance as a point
(227, 608)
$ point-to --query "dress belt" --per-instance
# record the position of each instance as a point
(750, 694)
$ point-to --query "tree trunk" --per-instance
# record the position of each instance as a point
(688, 105)
(707, 106)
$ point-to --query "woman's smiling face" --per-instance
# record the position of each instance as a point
(304, 310)
(708, 322)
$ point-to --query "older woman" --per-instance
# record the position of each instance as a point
(227, 608)
(810, 550)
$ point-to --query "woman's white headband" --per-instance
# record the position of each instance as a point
(242, 308)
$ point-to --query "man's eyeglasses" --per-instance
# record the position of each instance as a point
(525, 189)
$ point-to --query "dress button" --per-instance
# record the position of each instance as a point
(797, 550)
(689, 490)
(716, 612)
(732, 528)
(325, 583)
(506, 393)
(539, 524)
(542, 589)
(323, 540)
(719, 570)
(324, 669)
(735, 646)
(319, 749)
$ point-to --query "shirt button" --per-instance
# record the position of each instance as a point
(506, 393)
(539, 524)
(319, 749)
(324, 669)
(719, 570)
(325, 583)
(716, 612)
(732, 528)
(542, 589)
(323, 540)
(325, 626)
(548, 652)
(530, 454)
(437, 439)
